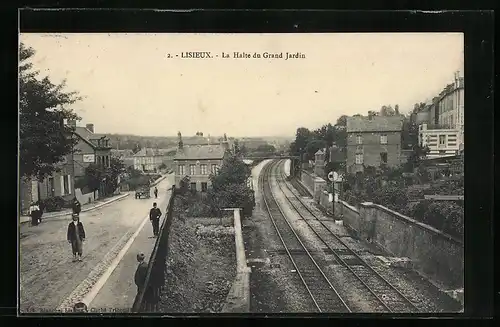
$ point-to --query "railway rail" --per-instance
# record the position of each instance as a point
(388, 296)
(320, 289)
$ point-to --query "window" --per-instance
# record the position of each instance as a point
(204, 186)
(192, 186)
(442, 139)
(65, 185)
(203, 169)
(359, 139)
(192, 169)
(181, 170)
(107, 161)
(214, 169)
(383, 157)
(359, 158)
(383, 139)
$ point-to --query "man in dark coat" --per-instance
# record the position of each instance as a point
(156, 192)
(77, 207)
(141, 272)
(76, 236)
(154, 216)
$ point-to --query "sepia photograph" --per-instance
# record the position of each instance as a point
(219, 173)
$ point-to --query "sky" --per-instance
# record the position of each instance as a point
(131, 86)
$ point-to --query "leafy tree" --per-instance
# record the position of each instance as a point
(387, 111)
(43, 107)
(229, 187)
(326, 133)
(415, 158)
(232, 171)
(302, 137)
(313, 146)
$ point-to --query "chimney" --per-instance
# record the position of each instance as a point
(90, 127)
(370, 115)
(71, 123)
(180, 144)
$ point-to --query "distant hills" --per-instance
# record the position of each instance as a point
(134, 142)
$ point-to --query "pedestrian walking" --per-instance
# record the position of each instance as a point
(76, 236)
(154, 216)
(141, 272)
(156, 193)
(35, 214)
(76, 206)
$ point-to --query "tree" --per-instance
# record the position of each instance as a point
(415, 158)
(302, 137)
(229, 187)
(313, 147)
(387, 111)
(43, 107)
(325, 133)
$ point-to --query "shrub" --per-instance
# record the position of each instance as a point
(53, 204)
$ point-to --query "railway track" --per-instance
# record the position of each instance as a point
(388, 296)
(322, 292)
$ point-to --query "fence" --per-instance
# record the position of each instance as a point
(148, 298)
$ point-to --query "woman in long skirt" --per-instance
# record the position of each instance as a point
(76, 236)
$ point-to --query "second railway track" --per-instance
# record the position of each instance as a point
(390, 298)
(320, 289)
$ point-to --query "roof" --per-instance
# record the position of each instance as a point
(320, 151)
(87, 134)
(376, 124)
(148, 152)
(123, 152)
(200, 152)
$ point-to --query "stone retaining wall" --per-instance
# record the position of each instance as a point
(238, 299)
(434, 254)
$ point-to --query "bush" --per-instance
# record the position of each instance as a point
(446, 216)
(52, 204)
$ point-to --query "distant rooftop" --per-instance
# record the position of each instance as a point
(200, 152)
(376, 124)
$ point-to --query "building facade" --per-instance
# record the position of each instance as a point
(441, 142)
(198, 162)
(450, 107)
(373, 141)
(148, 160)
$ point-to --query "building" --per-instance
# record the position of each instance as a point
(373, 141)
(90, 148)
(319, 162)
(148, 160)
(198, 162)
(450, 108)
(441, 142)
(126, 156)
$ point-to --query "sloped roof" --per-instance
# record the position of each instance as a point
(376, 124)
(320, 151)
(148, 152)
(200, 152)
(87, 134)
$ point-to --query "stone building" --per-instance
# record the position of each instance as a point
(373, 141)
(198, 162)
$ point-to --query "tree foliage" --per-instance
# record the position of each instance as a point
(43, 107)
(387, 111)
(97, 176)
(229, 187)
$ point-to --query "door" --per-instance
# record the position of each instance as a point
(51, 190)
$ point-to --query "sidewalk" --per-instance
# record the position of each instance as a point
(119, 291)
(86, 207)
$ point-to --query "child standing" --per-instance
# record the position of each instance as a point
(76, 236)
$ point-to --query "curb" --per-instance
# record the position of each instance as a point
(83, 210)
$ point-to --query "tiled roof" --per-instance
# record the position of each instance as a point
(376, 124)
(200, 152)
(148, 152)
(86, 134)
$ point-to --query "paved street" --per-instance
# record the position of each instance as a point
(48, 276)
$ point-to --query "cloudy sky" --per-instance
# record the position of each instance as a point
(130, 86)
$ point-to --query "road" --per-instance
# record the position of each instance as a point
(48, 275)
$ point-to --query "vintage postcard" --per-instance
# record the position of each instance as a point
(241, 173)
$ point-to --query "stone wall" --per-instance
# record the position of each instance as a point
(434, 254)
(314, 184)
